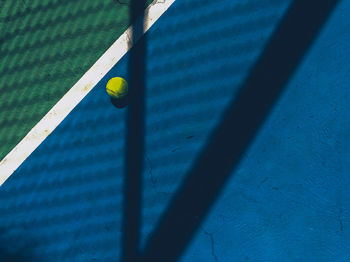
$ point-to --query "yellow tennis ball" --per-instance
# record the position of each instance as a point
(117, 88)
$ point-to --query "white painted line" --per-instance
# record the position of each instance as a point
(72, 98)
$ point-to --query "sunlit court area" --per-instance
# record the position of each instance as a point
(174, 130)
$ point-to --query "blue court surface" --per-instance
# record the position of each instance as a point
(287, 200)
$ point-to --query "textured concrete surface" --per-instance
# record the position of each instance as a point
(286, 202)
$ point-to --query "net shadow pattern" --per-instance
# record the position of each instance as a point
(65, 201)
(45, 47)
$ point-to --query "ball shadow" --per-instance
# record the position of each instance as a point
(120, 102)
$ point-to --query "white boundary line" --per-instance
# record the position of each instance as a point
(72, 98)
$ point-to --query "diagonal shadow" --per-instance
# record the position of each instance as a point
(134, 136)
(244, 117)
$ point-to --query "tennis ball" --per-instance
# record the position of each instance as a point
(117, 88)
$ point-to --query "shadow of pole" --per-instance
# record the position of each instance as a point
(244, 117)
(134, 136)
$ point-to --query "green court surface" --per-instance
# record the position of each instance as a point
(45, 47)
